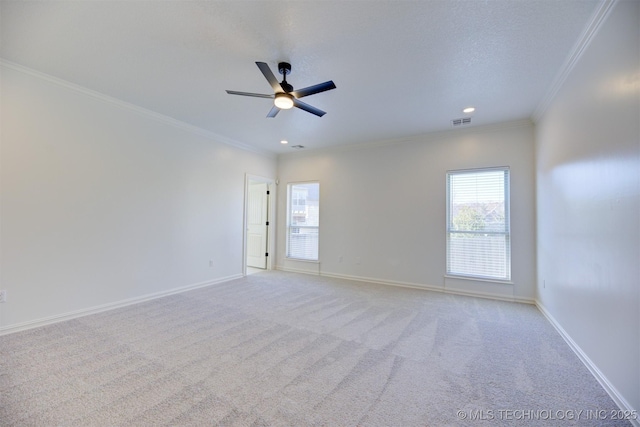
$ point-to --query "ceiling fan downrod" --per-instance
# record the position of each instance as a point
(285, 68)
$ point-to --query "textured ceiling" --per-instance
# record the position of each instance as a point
(401, 68)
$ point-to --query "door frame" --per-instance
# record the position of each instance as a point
(271, 218)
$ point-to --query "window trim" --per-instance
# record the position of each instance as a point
(288, 222)
(507, 233)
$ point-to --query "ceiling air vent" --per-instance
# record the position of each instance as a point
(297, 147)
(460, 122)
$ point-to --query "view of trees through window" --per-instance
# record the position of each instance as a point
(303, 220)
(478, 238)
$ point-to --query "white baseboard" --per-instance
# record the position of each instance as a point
(413, 286)
(111, 306)
(296, 270)
(600, 377)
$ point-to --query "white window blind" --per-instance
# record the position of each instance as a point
(303, 220)
(478, 238)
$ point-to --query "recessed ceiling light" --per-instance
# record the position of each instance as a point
(469, 110)
(284, 141)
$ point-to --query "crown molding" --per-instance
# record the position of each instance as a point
(161, 118)
(575, 54)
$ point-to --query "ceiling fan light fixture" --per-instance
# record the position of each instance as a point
(283, 101)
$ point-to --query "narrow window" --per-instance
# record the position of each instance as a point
(303, 220)
(478, 238)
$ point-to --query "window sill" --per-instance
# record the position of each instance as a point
(478, 279)
(310, 261)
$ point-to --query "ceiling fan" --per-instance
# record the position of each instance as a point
(284, 96)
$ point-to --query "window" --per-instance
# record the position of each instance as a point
(303, 220)
(478, 240)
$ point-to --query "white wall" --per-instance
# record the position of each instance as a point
(382, 209)
(588, 202)
(102, 204)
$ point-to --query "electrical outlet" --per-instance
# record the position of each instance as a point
(3, 296)
(210, 263)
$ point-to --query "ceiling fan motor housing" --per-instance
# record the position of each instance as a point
(284, 68)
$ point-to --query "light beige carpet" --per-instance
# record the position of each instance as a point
(284, 349)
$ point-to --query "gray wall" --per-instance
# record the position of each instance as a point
(382, 209)
(102, 204)
(588, 203)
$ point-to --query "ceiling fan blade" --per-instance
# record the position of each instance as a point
(257, 95)
(308, 108)
(314, 89)
(273, 112)
(266, 71)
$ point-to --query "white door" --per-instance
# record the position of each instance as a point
(257, 215)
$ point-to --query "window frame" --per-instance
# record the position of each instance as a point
(506, 233)
(289, 227)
